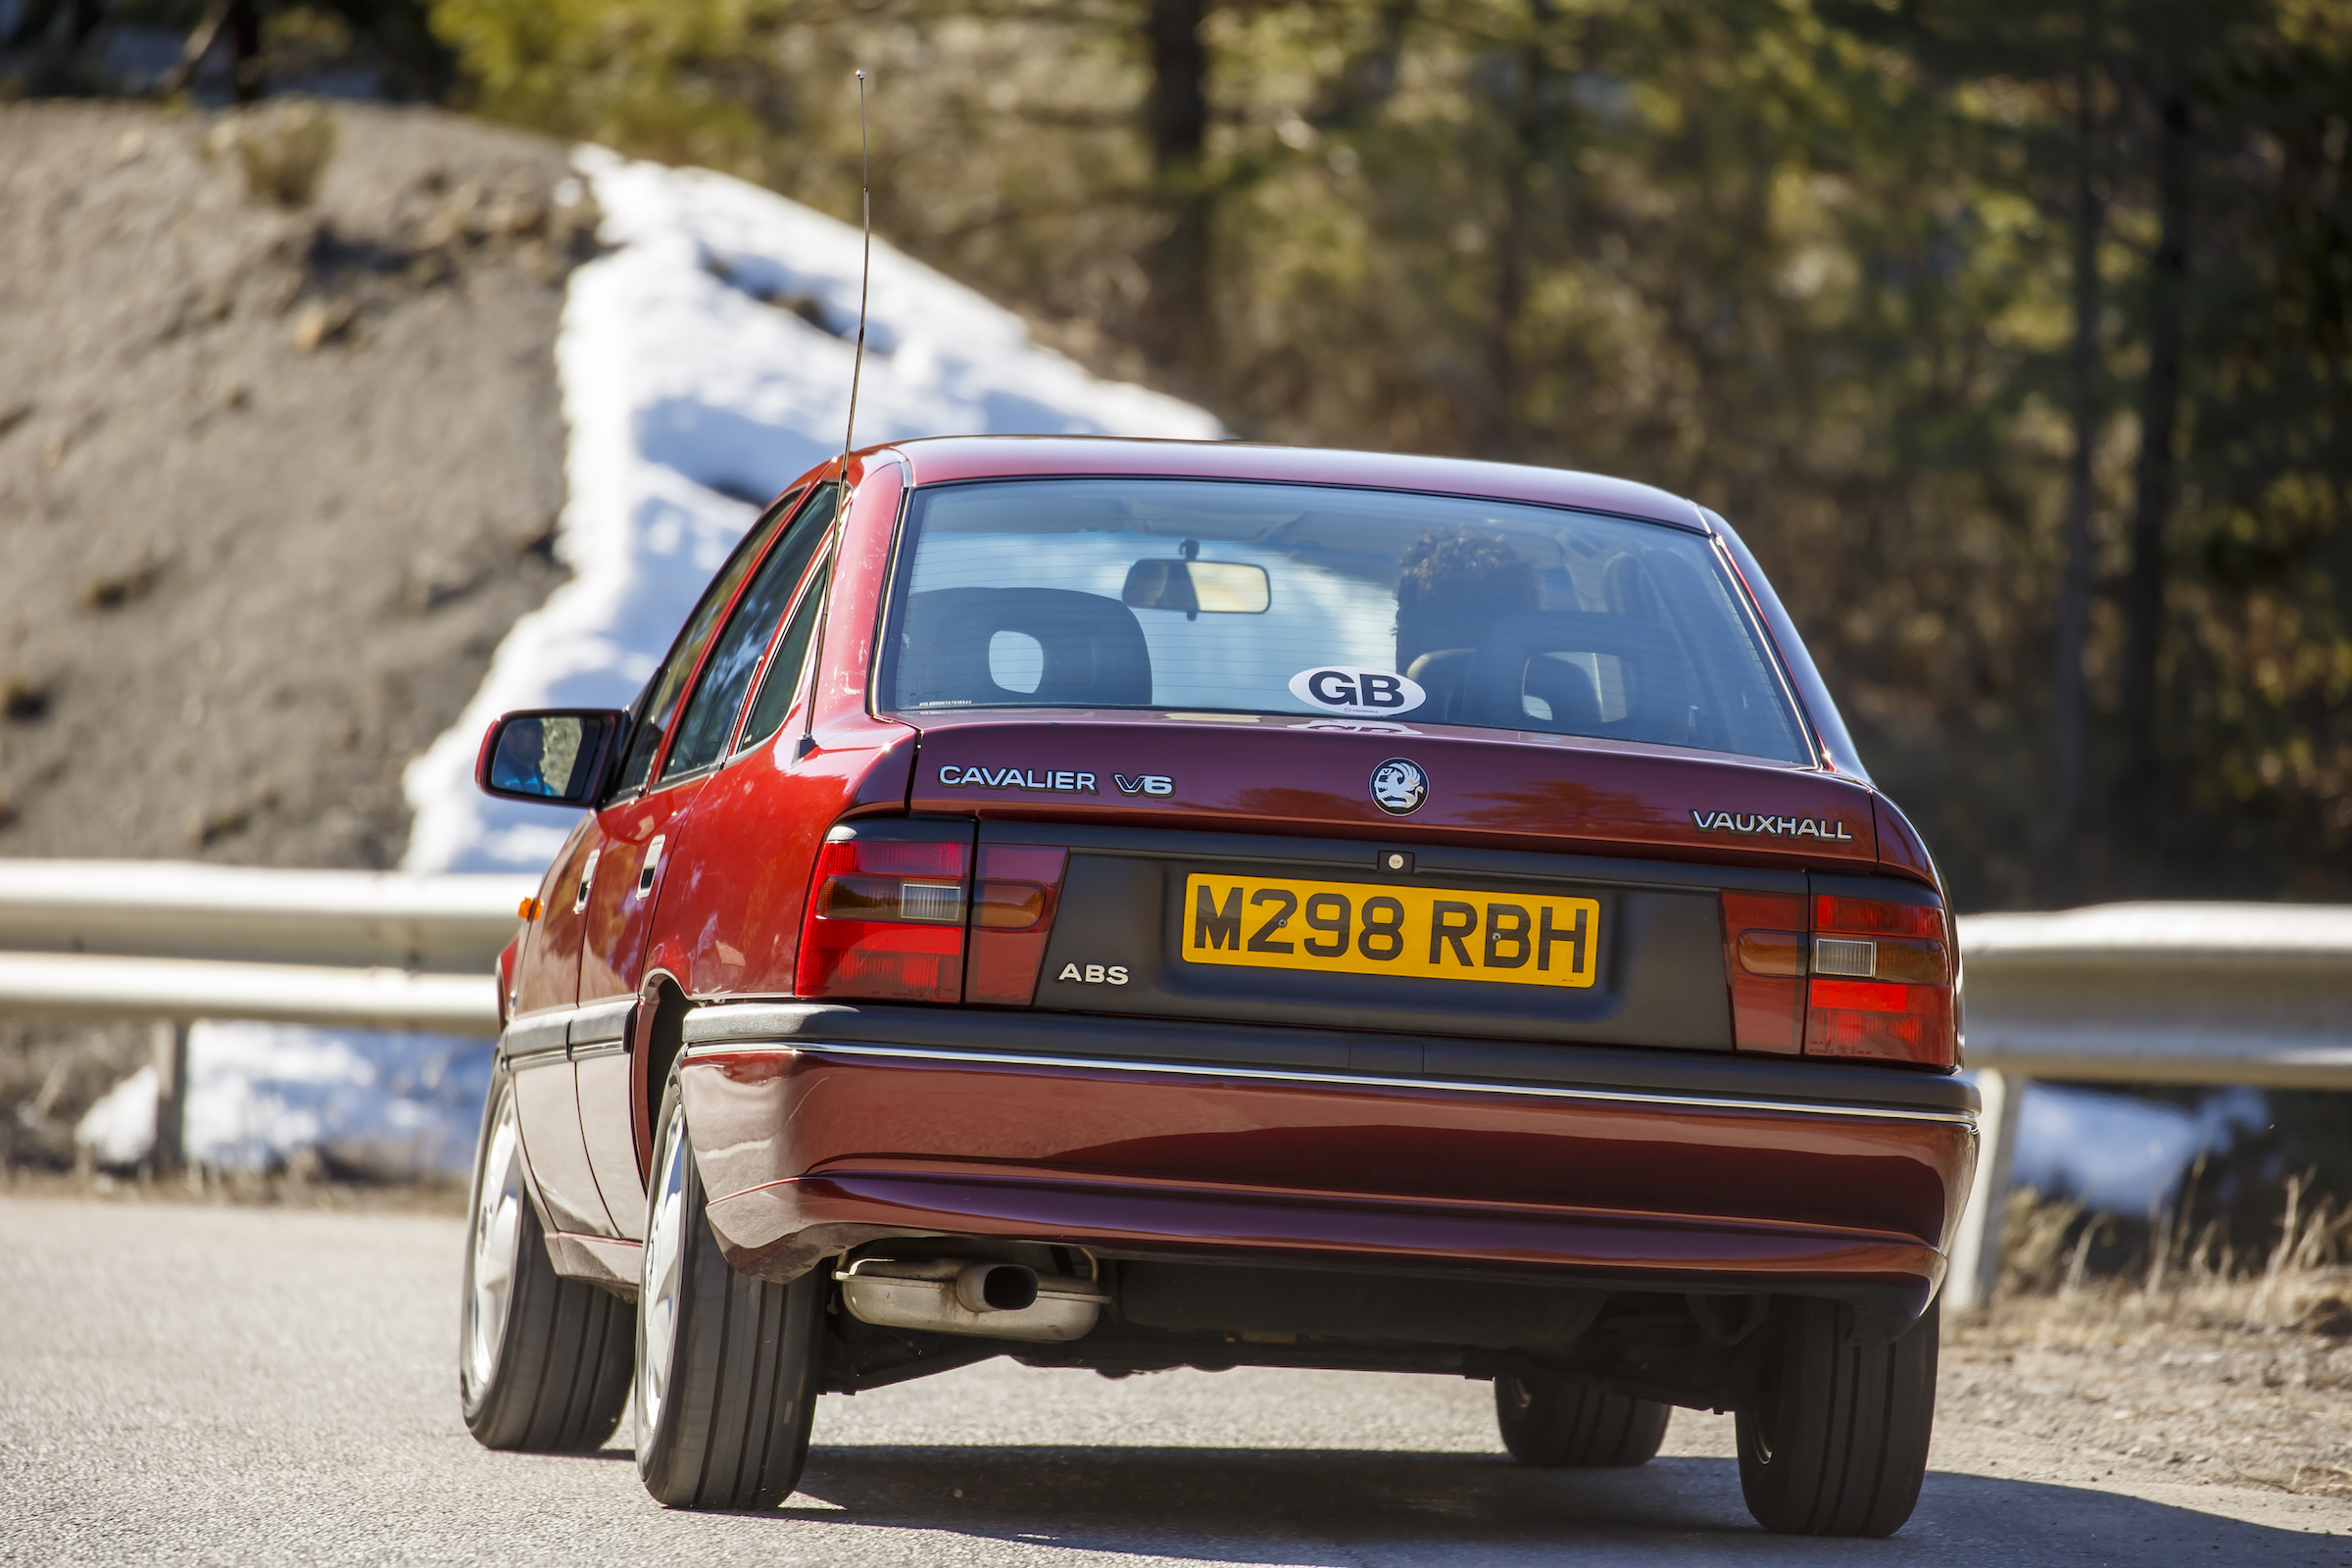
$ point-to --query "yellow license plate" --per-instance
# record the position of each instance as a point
(1359, 928)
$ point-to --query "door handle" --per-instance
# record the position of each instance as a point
(653, 864)
(579, 900)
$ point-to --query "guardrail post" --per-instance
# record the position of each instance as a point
(1976, 1262)
(169, 1039)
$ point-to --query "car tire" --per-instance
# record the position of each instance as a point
(726, 1364)
(1836, 1444)
(543, 1361)
(1562, 1424)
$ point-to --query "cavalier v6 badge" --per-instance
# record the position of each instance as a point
(1779, 827)
(1059, 781)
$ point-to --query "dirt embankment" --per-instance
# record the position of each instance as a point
(279, 468)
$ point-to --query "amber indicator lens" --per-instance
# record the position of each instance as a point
(1002, 906)
(1912, 961)
(1773, 953)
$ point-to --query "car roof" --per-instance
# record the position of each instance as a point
(942, 459)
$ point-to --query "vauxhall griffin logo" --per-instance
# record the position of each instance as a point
(1399, 787)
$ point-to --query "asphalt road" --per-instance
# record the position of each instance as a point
(182, 1384)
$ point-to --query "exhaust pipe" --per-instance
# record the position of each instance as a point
(997, 1288)
(959, 1295)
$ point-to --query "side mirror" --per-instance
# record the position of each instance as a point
(1219, 587)
(551, 757)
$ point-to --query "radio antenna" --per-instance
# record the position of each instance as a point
(831, 555)
(865, 267)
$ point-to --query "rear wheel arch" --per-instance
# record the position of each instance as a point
(661, 1035)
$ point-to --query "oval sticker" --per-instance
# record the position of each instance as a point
(1357, 693)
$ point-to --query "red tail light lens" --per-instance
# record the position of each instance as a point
(885, 921)
(1013, 914)
(1882, 982)
(1764, 953)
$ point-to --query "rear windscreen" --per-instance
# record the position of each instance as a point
(1206, 595)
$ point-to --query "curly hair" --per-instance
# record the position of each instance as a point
(1452, 587)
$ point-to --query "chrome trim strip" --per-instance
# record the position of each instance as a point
(600, 1021)
(1625, 1097)
(539, 1034)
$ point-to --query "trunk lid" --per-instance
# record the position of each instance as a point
(1187, 837)
(1510, 790)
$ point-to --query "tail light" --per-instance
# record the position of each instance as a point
(1882, 985)
(885, 921)
(1862, 978)
(1013, 914)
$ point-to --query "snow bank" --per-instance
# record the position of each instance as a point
(118, 1129)
(370, 1102)
(705, 364)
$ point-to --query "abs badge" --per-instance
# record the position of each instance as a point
(1399, 787)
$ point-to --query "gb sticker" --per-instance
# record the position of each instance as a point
(1357, 693)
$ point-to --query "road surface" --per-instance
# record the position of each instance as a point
(182, 1384)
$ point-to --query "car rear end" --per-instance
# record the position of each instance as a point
(1341, 925)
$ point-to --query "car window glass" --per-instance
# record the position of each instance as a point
(784, 671)
(1312, 600)
(735, 653)
(658, 704)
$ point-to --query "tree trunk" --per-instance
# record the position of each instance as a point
(1532, 122)
(2067, 702)
(1176, 313)
(2158, 419)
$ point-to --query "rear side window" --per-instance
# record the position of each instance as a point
(1211, 596)
(735, 654)
(657, 704)
(783, 682)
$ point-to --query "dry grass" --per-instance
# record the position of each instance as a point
(284, 150)
(2196, 1365)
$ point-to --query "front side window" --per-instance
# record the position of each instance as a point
(1214, 596)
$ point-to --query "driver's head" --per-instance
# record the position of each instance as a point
(1453, 587)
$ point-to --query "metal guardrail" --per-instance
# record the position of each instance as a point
(174, 910)
(172, 942)
(2140, 993)
(2134, 992)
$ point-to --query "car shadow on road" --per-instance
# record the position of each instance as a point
(1323, 1508)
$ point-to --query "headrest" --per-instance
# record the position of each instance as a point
(1095, 652)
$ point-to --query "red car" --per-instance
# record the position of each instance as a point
(1140, 905)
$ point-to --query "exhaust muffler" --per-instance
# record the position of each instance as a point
(961, 1295)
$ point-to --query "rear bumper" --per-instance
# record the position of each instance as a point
(819, 1128)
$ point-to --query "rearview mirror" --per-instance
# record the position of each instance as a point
(549, 757)
(1219, 587)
